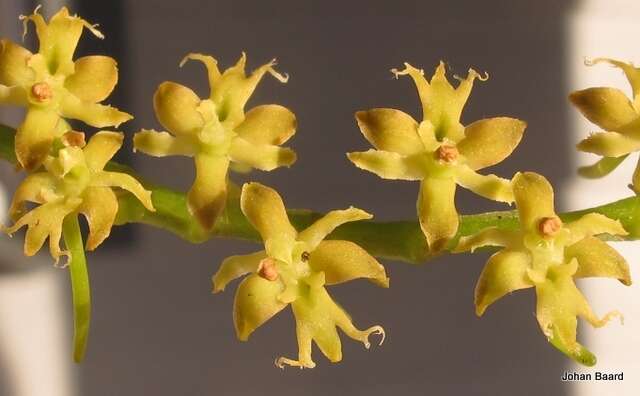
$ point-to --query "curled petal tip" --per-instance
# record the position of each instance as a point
(281, 362)
(377, 330)
(408, 69)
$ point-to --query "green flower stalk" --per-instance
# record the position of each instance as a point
(52, 86)
(74, 182)
(548, 255)
(619, 117)
(217, 133)
(293, 270)
(439, 152)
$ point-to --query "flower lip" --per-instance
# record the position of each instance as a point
(549, 226)
(41, 91)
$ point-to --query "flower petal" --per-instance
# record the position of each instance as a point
(125, 182)
(390, 130)
(93, 79)
(101, 148)
(35, 136)
(342, 261)
(505, 272)
(559, 303)
(387, 165)
(609, 144)
(13, 64)
(609, 108)
(209, 62)
(13, 96)
(162, 144)
(632, 73)
(93, 114)
(265, 157)
(601, 168)
(236, 266)
(534, 198)
(489, 141)
(99, 206)
(42, 222)
(208, 194)
(233, 89)
(176, 108)
(256, 302)
(59, 38)
(37, 188)
(316, 232)
(597, 259)
(437, 211)
(268, 124)
(265, 210)
(488, 186)
(492, 236)
(442, 104)
(594, 224)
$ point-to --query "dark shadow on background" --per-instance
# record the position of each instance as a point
(157, 330)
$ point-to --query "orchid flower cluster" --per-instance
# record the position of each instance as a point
(68, 176)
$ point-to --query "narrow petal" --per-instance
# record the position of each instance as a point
(96, 115)
(36, 188)
(342, 261)
(594, 224)
(387, 165)
(256, 302)
(93, 79)
(232, 91)
(437, 211)
(635, 181)
(609, 144)
(265, 210)
(234, 267)
(597, 259)
(267, 124)
(489, 141)
(13, 64)
(13, 96)
(609, 108)
(35, 136)
(59, 38)
(162, 144)
(208, 194)
(390, 130)
(324, 226)
(492, 236)
(265, 157)
(125, 182)
(176, 107)
(601, 168)
(559, 303)
(505, 272)
(99, 206)
(488, 186)
(209, 62)
(101, 148)
(534, 198)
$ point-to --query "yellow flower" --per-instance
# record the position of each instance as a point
(547, 255)
(74, 182)
(293, 269)
(619, 117)
(51, 86)
(439, 151)
(217, 133)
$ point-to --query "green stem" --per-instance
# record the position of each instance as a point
(399, 240)
(79, 285)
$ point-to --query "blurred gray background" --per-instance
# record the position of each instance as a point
(156, 327)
